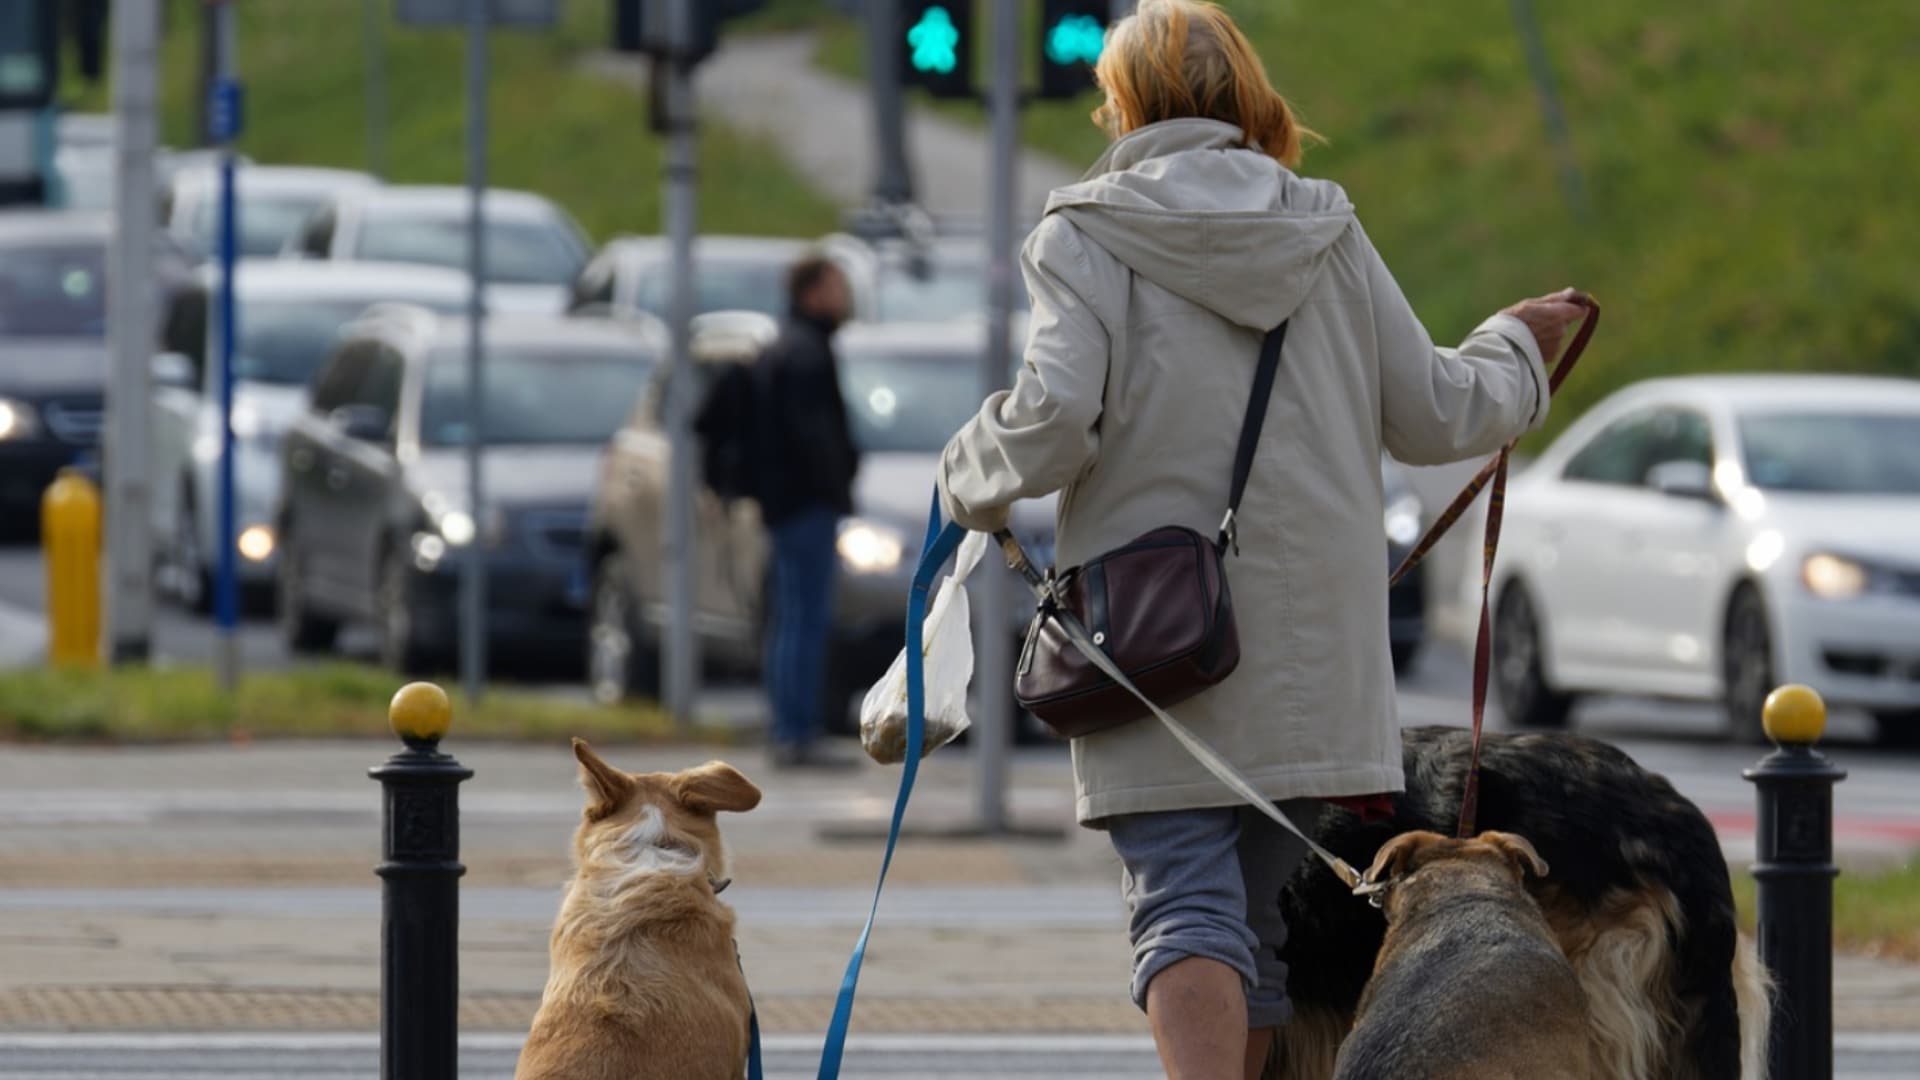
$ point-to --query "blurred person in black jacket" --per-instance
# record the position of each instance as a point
(807, 467)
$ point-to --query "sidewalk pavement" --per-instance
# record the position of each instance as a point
(231, 888)
(767, 85)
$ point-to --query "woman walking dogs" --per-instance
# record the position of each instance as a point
(1154, 282)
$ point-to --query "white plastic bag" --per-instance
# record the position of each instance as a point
(947, 644)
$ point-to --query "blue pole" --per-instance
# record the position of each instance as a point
(225, 113)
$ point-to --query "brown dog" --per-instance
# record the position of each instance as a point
(645, 982)
(1470, 982)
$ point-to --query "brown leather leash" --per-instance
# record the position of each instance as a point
(1495, 472)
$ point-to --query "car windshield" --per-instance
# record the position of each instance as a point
(518, 252)
(284, 341)
(53, 290)
(723, 285)
(1835, 453)
(533, 396)
(266, 222)
(946, 289)
(911, 401)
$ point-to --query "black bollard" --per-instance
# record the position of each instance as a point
(1793, 871)
(420, 909)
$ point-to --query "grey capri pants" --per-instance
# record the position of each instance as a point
(1207, 883)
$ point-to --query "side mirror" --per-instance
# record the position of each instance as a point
(1683, 480)
(364, 423)
(175, 370)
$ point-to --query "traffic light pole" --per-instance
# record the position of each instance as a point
(682, 667)
(473, 567)
(893, 177)
(223, 118)
(993, 740)
(130, 318)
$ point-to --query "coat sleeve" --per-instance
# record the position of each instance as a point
(1034, 438)
(1439, 405)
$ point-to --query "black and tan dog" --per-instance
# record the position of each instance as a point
(1469, 983)
(1640, 901)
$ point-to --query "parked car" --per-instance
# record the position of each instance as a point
(272, 201)
(534, 248)
(732, 273)
(908, 388)
(1711, 537)
(375, 512)
(1406, 602)
(289, 317)
(939, 280)
(53, 347)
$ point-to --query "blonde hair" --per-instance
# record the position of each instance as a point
(1186, 58)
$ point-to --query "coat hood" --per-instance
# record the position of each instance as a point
(1186, 205)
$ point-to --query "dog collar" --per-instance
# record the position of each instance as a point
(1375, 892)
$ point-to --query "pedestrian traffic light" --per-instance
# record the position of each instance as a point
(1072, 33)
(29, 53)
(937, 51)
(642, 26)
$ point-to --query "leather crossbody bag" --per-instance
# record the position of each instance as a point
(1157, 607)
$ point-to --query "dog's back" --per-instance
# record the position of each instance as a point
(1469, 982)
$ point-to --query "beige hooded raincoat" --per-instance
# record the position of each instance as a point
(1153, 281)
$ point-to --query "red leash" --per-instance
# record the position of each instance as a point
(1496, 472)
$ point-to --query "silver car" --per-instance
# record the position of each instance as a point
(908, 388)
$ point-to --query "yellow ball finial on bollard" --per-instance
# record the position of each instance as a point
(420, 712)
(1794, 715)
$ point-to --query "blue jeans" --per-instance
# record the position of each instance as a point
(800, 622)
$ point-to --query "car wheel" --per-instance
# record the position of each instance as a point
(401, 650)
(1746, 665)
(1519, 669)
(1898, 729)
(620, 662)
(192, 584)
(302, 630)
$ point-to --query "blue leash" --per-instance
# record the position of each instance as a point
(939, 547)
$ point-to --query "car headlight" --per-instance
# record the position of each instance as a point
(456, 527)
(256, 543)
(1835, 577)
(18, 420)
(867, 548)
(1403, 520)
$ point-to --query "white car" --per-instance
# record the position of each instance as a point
(1713, 537)
(290, 315)
(273, 201)
(534, 249)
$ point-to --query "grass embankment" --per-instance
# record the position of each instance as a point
(1747, 165)
(1875, 913)
(556, 128)
(140, 705)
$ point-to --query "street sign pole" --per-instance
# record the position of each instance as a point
(223, 114)
(995, 650)
(130, 317)
(682, 663)
(373, 42)
(473, 569)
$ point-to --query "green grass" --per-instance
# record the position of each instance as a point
(1876, 913)
(143, 705)
(1748, 164)
(556, 129)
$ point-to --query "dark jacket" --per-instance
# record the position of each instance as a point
(809, 458)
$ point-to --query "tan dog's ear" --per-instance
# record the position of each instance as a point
(608, 788)
(713, 787)
(1518, 851)
(1400, 854)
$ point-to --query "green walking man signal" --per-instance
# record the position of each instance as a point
(1072, 33)
(937, 47)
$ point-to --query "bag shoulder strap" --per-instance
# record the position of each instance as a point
(1256, 418)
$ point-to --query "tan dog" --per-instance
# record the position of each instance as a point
(645, 983)
(1470, 982)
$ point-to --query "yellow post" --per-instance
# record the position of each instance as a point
(70, 543)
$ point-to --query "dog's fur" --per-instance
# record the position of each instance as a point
(645, 983)
(1470, 983)
(1640, 901)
